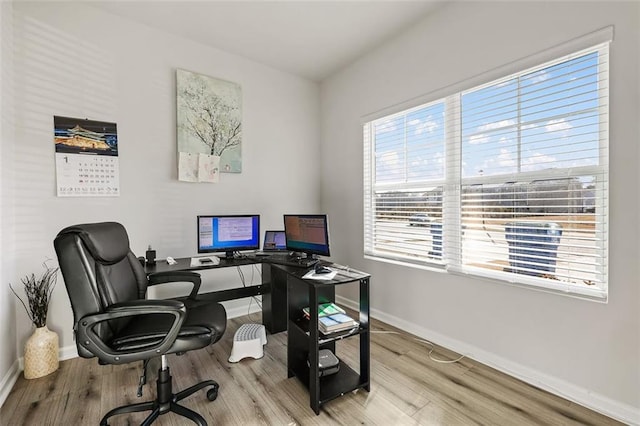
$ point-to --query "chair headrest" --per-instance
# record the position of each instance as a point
(108, 242)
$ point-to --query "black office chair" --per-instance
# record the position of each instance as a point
(114, 321)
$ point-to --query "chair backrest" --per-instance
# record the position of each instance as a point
(99, 270)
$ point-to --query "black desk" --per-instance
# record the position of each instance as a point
(284, 293)
(273, 287)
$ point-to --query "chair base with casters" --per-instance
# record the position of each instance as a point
(166, 401)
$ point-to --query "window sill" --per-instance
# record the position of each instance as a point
(403, 262)
(594, 294)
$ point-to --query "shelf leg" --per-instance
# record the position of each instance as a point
(314, 379)
(365, 339)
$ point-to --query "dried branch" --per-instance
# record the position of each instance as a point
(38, 294)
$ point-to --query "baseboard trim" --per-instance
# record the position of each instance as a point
(68, 352)
(611, 408)
(242, 310)
(8, 381)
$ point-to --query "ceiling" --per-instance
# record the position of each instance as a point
(312, 39)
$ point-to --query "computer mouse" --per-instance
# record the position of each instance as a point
(319, 269)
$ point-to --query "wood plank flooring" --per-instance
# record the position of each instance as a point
(407, 388)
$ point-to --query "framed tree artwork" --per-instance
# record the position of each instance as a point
(209, 127)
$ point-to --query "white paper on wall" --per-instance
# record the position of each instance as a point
(208, 168)
(198, 167)
(188, 167)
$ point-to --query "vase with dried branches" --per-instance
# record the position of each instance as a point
(41, 349)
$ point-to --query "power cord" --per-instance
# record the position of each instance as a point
(244, 284)
(254, 298)
(433, 346)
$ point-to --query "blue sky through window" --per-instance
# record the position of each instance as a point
(410, 148)
(544, 119)
(547, 118)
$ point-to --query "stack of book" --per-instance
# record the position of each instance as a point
(332, 318)
(336, 322)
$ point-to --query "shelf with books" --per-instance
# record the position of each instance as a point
(303, 325)
(306, 338)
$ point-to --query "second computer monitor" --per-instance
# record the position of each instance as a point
(307, 233)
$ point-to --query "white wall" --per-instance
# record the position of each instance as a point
(8, 360)
(585, 350)
(75, 60)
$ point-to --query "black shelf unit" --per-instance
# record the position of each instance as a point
(304, 341)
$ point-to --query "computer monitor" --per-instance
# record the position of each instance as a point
(228, 233)
(307, 233)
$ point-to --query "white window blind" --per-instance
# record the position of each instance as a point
(406, 152)
(507, 180)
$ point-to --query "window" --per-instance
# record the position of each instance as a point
(506, 180)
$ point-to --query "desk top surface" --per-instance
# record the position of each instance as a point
(344, 274)
(184, 264)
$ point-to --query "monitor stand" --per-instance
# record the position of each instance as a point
(308, 259)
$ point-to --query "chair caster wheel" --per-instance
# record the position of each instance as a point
(212, 394)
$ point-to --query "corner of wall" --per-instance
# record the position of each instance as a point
(8, 381)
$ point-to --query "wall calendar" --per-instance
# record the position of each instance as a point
(86, 158)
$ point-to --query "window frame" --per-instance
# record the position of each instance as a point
(454, 181)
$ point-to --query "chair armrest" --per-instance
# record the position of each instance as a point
(177, 276)
(88, 338)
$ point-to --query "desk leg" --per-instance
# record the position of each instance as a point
(274, 299)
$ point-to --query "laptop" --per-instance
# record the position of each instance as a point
(274, 242)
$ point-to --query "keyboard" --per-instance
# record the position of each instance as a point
(271, 253)
(285, 259)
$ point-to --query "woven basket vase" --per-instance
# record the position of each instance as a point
(41, 353)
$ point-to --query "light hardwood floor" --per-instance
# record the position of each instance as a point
(407, 388)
